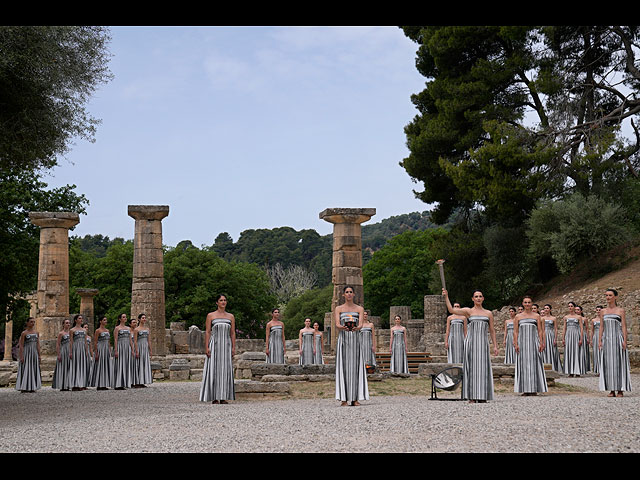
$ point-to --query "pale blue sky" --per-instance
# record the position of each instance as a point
(247, 127)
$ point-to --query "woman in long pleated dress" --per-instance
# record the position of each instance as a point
(477, 380)
(351, 374)
(133, 324)
(275, 338)
(368, 341)
(89, 340)
(585, 355)
(142, 348)
(29, 379)
(306, 345)
(615, 374)
(398, 347)
(454, 336)
(220, 340)
(318, 340)
(61, 374)
(102, 377)
(595, 328)
(79, 355)
(122, 354)
(571, 341)
(528, 341)
(509, 351)
(550, 353)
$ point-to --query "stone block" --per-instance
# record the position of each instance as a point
(249, 386)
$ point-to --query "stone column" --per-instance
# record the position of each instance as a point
(8, 337)
(347, 253)
(435, 321)
(86, 306)
(53, 274)
(147, 289)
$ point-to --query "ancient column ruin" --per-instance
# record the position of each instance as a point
(147, 288)
(435, 321)
(53, 274)
(86, 306)
(347, 253)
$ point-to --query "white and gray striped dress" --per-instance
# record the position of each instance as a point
(367, 346)
(477, 381)
(217, 375)
(123, 363)
(317, 358)
(103, 367)
(276, 350)
(398, 353)
(596, 346)
(529, 371)
(584, 349)
(573, 363)
(144, 375)
(614, 360)
(306, 357)
(61, 374)
(29, 378)
(455, 352)
(90, 354)
(79, 370)
(509, 350)
(550, 353)
(351, 375)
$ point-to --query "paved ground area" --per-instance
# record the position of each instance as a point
(167, 417)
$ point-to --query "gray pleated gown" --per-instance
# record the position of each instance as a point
(477, 381)
(529, 370)
(29, 378)
(455, 352)
(276, 350)
(306, 358)
(586, 356)
(399, 362)
(573, 364)
(90, 372)
(351, 375)
(317, 358)
(596, 346)
(79, 360)
(143, 372)
(614, 360)
(123, 363)
(550, 353)
(367, 346)
(103, 367)
(62, 373)
(509, 350)
(217, 375)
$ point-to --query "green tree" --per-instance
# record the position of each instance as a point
(47, 75)
(509, 113)
(400, 272)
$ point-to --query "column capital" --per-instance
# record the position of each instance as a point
(87, 292)
(347, 215)
(54, 219)
(148, 212)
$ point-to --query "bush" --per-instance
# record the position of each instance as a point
(575, 229)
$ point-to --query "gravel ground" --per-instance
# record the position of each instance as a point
(167, 417)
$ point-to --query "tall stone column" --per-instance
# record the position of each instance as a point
(347, 254)
(147, 289)
(86, 306)
(53, 274)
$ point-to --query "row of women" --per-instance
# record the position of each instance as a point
(531, 341)
(310, 341)
(83, 362)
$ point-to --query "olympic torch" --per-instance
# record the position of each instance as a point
(441, 267)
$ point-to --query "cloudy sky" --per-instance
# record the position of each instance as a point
(247, 127)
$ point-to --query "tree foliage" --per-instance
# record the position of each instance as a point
(47, 75)
(512, 114)
(313, 303)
